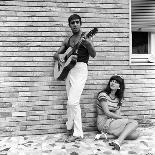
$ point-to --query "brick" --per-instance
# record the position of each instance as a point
(5, 114)
(5, 105)
(33, 118)
(23, 128)
(15, 114)
(15, 119)
(36, 113)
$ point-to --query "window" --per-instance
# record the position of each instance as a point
(142, 24)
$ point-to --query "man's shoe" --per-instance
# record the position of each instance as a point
(69, 132)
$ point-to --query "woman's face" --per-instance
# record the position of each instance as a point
(114, 85)
(75, 25)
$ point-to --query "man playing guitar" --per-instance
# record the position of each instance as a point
(77, 76)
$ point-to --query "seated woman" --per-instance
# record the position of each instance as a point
(109, 119)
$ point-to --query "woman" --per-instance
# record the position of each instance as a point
(109, 119)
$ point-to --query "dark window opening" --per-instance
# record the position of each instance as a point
(139, 42)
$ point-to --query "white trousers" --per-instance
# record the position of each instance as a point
(75, 83)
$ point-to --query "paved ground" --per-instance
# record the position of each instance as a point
(55, 145)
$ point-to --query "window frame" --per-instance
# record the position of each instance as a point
(140, 59)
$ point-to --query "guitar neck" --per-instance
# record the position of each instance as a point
(75, 48)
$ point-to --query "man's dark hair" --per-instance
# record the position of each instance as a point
(74, 16)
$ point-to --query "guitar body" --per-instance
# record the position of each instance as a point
(61, 69)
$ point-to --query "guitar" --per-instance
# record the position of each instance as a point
(61, 69)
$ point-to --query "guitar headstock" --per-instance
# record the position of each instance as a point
(92, 32)
(89, 34)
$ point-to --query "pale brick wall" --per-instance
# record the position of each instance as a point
(31, 101)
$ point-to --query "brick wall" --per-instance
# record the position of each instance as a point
(31, 31)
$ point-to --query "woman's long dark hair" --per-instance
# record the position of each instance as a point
(120, 92)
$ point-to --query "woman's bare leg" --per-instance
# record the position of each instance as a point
(133, 136)
(129, 128)
(108, 136)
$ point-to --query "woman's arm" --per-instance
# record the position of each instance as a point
(107, 112)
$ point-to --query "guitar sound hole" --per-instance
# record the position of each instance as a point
(59, 65)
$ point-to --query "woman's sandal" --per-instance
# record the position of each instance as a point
(115, 144)
(98, 136)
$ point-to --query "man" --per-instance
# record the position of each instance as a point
(77, 76)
